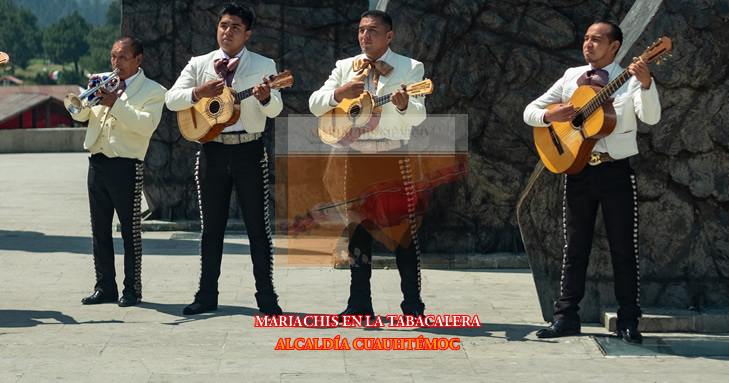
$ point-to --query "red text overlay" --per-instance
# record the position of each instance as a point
(420, 343)
(367, 321)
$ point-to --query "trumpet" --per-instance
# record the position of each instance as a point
(74, 104)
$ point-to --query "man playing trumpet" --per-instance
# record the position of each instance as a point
(118, 134)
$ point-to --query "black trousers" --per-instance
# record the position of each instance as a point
(371, 170)
(244, 166)
(612, 186)
(408, 265)
(115, 184)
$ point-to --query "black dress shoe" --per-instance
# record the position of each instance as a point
(271, 310)
(129, 300)
(414, 313)
(630, 334)
(98, 297)
(355, 311)
(559, 328)
(198, 308)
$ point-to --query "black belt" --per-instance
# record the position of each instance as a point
(598, 158)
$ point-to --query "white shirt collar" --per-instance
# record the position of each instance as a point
(130, 79)
(610, 68)
(239, 55)
(384, 57)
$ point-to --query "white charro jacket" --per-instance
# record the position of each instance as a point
(131, 121)
(630, 101)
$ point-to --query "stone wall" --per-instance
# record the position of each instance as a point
(304, 36)
(488, 60)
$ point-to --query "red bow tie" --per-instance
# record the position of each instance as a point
(226, 68)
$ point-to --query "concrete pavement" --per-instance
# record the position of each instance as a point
(47, 335)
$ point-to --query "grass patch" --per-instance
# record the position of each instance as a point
(35, 67)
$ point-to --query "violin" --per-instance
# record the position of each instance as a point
(385, 204)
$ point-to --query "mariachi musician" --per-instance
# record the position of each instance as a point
(118, 135)
(379, 71)
(608, 181)
(236, 157)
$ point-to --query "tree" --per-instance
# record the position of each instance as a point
(100, 41)
(20, 38)
(113, 14)
(50, 11)
(65, 41)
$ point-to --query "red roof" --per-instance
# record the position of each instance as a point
(12, 79)
(58, 92)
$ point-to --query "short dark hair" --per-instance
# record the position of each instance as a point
(237, 9)
(137, 46)
(383, 16)
(615, 32)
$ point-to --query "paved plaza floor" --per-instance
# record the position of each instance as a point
(46, 334)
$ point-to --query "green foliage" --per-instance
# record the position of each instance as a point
(50, 11)
(20, 37)
(65, 41)
(100, 41)
(43, 79)
(72, 39)
(73, 78)
(38, 72)
(113, 14)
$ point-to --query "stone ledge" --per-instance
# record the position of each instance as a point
(674, 320)
(445, 261)
(379, 260)
(42, 140)
(192, 226)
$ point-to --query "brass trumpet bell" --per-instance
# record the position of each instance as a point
(74, 104)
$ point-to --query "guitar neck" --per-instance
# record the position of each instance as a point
(240, 96)
(382, 100)
(415, 90)
(605, 93)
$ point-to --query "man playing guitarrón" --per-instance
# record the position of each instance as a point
(608, 181)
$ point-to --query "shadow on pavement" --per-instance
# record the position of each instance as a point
(36, 242)
(176, 310)
(513, 332)
(31, 318)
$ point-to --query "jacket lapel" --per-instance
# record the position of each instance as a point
(135, 87)
(208, 68)
(242, 71)
(393, 61)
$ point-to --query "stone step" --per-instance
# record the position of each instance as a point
(339, 258)
(446, 261)
(674, 320)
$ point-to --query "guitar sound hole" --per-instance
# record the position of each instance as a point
(577, 122)
(355, 111)
(214, 107)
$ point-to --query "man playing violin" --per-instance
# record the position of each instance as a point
(235, 158)
(607, 181)
(379, 71)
